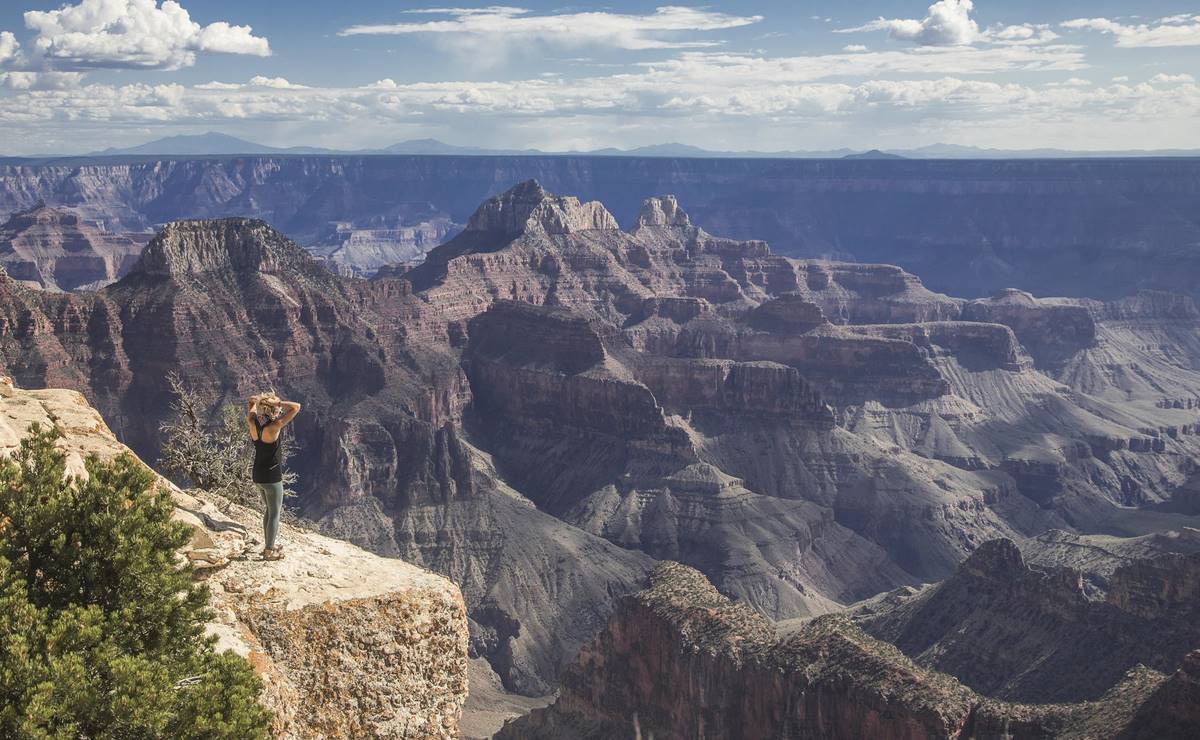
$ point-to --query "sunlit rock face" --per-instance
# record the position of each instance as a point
(54, 249)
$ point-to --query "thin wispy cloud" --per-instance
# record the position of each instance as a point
(1175, 30)
(662, 29)
(719, 85)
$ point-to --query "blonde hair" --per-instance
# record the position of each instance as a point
(268, 405)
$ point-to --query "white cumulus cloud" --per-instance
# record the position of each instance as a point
(9, 47)
(1175, 30)
(503, 24)
(947, 23)
(1022, 33)
(133, 34)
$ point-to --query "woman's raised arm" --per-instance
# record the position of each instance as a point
(290, 409)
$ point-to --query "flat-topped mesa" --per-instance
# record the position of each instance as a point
(1147, 304)
(1051, 329)
(762, 389)
(663, 211)
(854, 293)
(977, 346)
(790, 313)
(237, 245)
(527, 206)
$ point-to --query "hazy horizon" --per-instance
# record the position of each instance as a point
(759, 76)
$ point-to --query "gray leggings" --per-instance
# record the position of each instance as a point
(272, 495)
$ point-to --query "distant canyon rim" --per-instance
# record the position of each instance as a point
(1096, 228)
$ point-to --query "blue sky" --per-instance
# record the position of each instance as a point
(768, 75)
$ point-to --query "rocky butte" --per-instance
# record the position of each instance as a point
(551, 404)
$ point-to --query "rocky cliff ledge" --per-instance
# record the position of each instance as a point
(679, 660)
(347, 644)
(1020, 632)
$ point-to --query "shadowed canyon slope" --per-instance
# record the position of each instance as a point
(550, 403)
(1095, 228)
(679, 660)
(1023, 632)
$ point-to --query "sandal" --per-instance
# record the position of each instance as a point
(274, 553)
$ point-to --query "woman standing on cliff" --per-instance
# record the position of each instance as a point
(266, 416)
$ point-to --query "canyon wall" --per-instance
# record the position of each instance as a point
(1020, 632)
(550, 404)
(678, 660)
(1096, 228)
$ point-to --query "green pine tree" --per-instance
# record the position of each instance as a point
(101, 628)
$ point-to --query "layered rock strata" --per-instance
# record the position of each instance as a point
(55, 249)
(1098, 228)
(551, 403)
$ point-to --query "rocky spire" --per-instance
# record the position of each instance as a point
(663, 211)
(527, 206)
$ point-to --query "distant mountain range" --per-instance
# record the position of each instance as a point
(218, 144)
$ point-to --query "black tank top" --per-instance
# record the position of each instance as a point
(268, 458)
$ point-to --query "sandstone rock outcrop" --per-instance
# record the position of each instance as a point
(348, 644)
(55, 249)
(1023, 633)
(679, 660)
